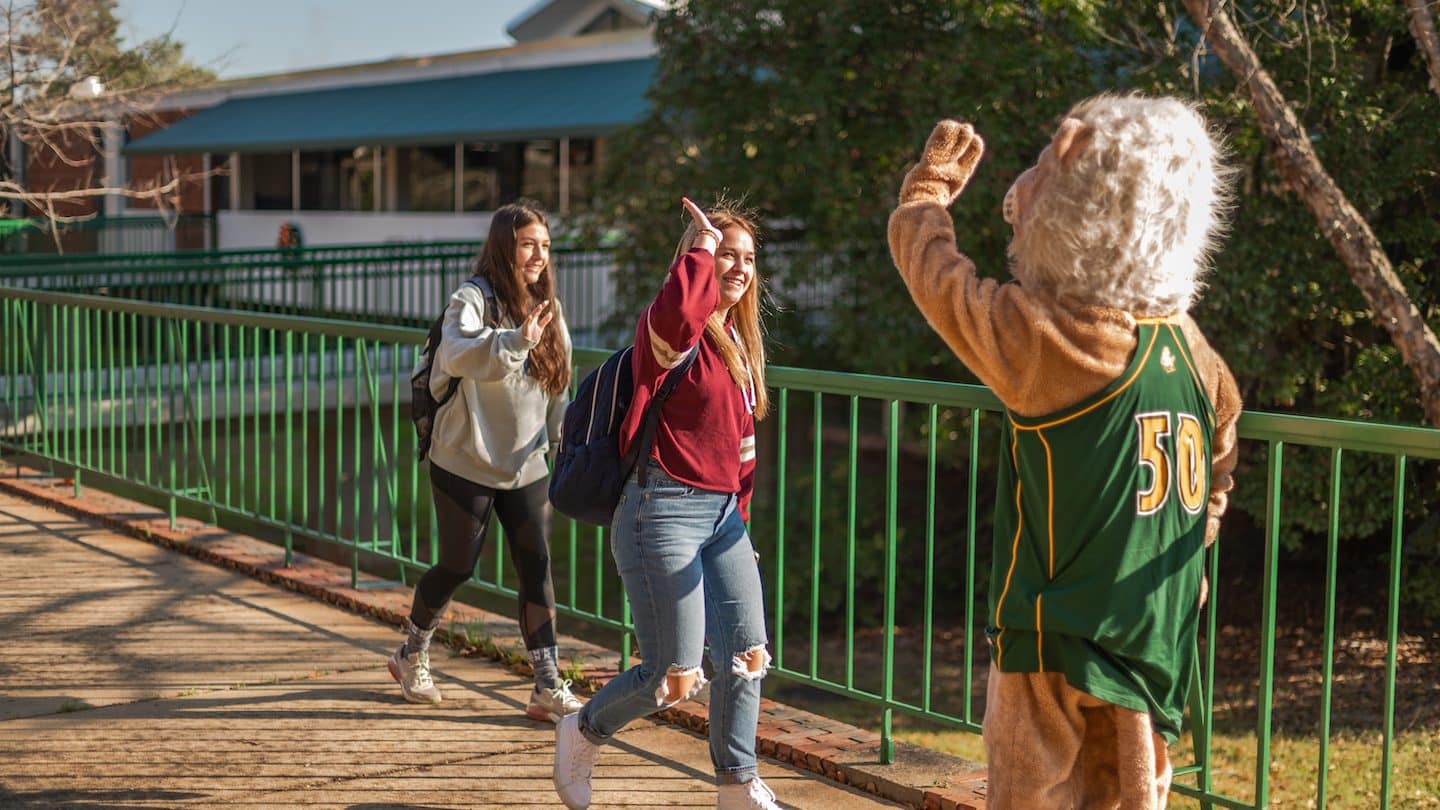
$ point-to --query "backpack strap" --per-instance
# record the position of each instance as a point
(491, 318)
(492, 305)
(651, 423)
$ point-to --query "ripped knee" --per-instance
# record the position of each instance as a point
(680, 684)
(752, 664)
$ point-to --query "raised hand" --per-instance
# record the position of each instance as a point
(534, 324)
(946, 164)
(702, 225)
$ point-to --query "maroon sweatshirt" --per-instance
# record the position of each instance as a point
(706, 436)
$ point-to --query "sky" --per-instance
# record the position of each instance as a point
(238, 38)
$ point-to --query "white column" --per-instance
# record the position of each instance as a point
(294, 179)
(113, 138)
(234, 181)
(459, 177)
(564, 174)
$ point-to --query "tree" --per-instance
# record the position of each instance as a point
(812, 110)
(1422, 25)
(815, 110)
(58, 54)
(1364, 257)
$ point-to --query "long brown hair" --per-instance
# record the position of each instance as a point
(496, 263)
(745, 360)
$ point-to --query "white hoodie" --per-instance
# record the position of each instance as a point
(497, 428)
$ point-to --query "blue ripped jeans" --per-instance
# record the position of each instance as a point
(691, 576)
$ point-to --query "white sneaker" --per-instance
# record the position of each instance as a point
(574, 760)
(753, 795)
(549, 705)
(413, 673)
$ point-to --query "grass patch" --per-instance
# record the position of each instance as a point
(574, 670)
(467, 636)
(1352, 778)
(1352, 781)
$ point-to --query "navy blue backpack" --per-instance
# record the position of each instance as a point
(589, 472)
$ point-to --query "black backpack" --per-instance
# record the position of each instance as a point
(424, 407)
(589, 472)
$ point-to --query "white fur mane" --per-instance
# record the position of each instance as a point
(1132, 221)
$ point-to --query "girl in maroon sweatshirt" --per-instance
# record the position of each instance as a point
(679, 538)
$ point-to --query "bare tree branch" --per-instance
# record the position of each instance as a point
(1422, 25)
(49, 47)
(13, 191)
(1359, 250)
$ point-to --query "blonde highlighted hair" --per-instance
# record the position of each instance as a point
(745, 358)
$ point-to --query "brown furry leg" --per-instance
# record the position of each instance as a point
(1032, 742)
(1050, 746)
(1124, 763)
(1144, 775)
(1099, 769)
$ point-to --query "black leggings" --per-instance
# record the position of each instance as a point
(462, 511)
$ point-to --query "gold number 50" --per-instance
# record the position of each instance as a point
(1188, 471)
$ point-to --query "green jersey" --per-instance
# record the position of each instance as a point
(1100, 534)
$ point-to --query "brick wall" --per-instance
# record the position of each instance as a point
(85, 168)
(46, 171)
(149, 171)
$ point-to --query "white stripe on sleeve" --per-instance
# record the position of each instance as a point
(664, 353)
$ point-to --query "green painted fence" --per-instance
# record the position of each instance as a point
(104, 236)
(393, 283)
(870, 497)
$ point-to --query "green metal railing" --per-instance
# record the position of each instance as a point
(395, 283)
(868, 514)
(104, 236)
(39, 264)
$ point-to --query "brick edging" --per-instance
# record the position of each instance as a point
(835, 750)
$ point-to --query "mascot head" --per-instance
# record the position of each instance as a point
(1122, 209)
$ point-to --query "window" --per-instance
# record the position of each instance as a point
(539, 173)
(337, 180)
(220, 182)
(583, 152)
(320, 181)
(357, 179)
(265, 182)
(500, 173)
(482, 185)
(426, 178)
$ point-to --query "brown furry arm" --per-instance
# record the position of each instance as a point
(957, 304)
(946, 165)
(1225, 446)
(1226, 450)
(969, 313)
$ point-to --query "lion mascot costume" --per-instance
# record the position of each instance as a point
(1118, 439)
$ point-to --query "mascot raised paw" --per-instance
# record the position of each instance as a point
(1118, 440)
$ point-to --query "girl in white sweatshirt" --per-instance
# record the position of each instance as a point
(488, 447)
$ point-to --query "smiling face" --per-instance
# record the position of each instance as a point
(532, 252)
(734, 266)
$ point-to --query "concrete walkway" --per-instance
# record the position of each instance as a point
(133, 676)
